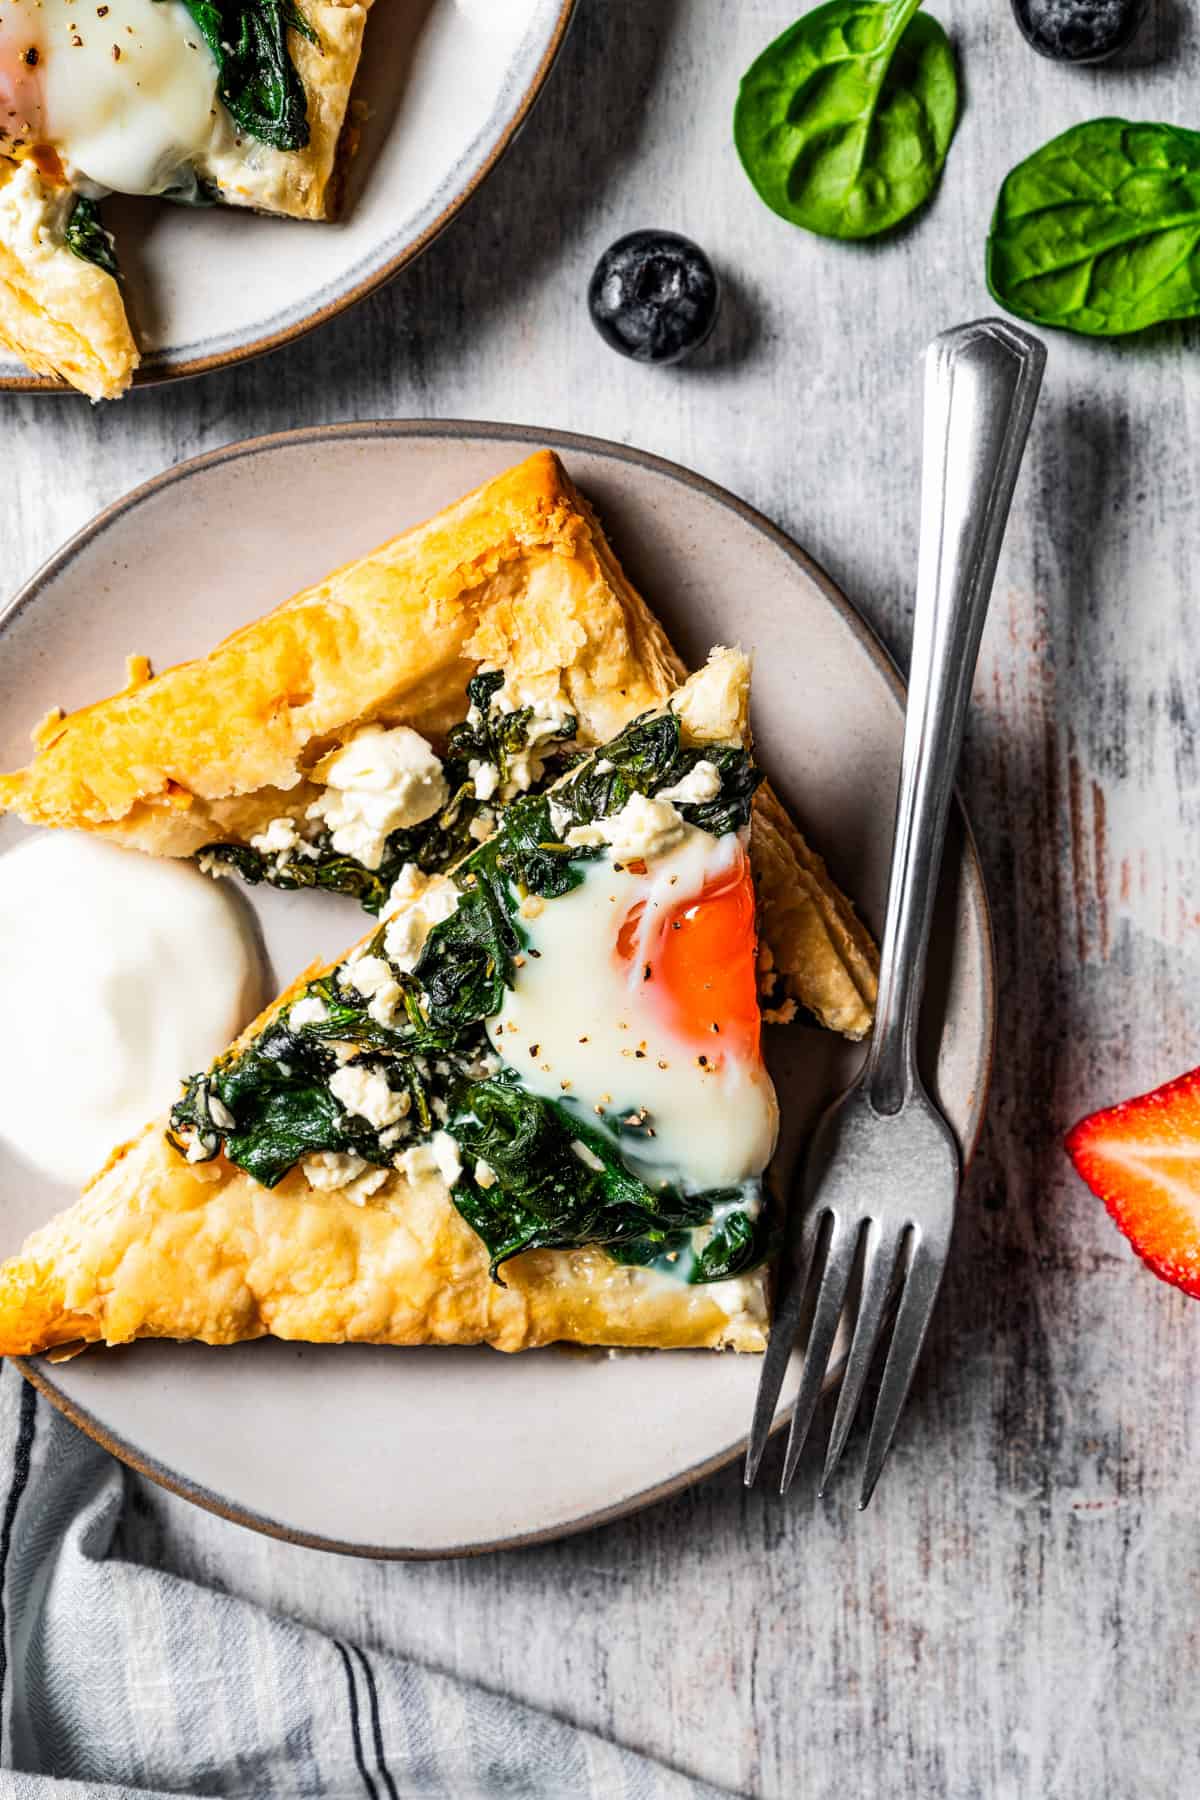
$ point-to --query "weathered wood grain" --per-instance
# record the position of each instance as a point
(1016, 1615)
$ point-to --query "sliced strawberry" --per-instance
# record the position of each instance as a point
(1142, 1159)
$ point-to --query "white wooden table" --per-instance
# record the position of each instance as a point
(1017, 1613)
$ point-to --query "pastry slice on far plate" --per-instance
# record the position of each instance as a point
(240, 105)
(529, 1106)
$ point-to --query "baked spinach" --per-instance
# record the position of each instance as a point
(256, 77)
(556, 1180)
(650, 755)
(1098, 232)
(545, 1196)
(739, 1239)
(86, 237)
(844, 122)
(276, 1093)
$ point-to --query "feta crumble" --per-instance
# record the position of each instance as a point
(644, 827)
(701, 783)
(380, 782)
(417, 903)
(309, 1011)
(366, 1093)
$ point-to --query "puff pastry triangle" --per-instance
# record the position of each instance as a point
(175, 1238)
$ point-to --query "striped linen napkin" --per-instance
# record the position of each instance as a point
(122, 1680)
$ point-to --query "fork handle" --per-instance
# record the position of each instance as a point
(981, 388)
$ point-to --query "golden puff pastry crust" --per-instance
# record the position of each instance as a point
(302, 184)
(62, 316)
(160, 1247)
(517, 575)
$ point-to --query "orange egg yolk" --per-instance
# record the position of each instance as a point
(699, 965)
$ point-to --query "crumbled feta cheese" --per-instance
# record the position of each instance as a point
(587, 1156)
(352, 1177)
(208, 864)
(485, 1175)
(438, 1157)
(412, 913)
(327, 1169)
(309, 1011)
(701, 783)
(197, 1150)
(281, 834)
(548, 715)
(644, 827)
(378, 783)
(445, 1155)
(560, 818)
(366, 1093)
(371, 976)
(416, 1162)
(485, 777)
(482, 827)
(220, 1114)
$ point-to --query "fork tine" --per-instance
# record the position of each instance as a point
(835, 1279)
(921, 1282)
(782, 1342)
(878, 1270)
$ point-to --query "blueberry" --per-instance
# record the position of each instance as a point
(1079, 30)
(654, 296)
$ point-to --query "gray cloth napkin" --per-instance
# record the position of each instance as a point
(122, 1680)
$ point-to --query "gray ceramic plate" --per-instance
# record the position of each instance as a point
(436, 1452)
(446, 84)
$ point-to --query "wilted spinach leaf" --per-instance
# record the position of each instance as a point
(545, 1196)
(86, 237)
(1099, 231)
(256, 77)
(277, 1093)
(844, 122)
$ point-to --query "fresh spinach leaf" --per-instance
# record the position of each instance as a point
(256, 77)
(1098, 232)
(86, 237)
(844, 122)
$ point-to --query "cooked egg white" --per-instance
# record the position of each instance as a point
(125, 94)
(589, 1024)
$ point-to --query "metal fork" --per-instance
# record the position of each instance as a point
(882, 1174)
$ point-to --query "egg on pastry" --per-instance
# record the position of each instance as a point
(240, 105)
(530, 1106)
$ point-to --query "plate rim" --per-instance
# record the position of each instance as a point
(159, 375)
(373, 430)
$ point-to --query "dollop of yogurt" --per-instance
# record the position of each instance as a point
(120, 974)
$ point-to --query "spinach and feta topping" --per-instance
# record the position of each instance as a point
(387, 1055)
(538, 1177)
(500, 749)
